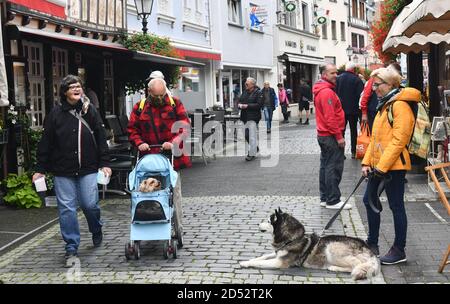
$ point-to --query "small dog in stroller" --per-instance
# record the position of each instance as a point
(150, 185)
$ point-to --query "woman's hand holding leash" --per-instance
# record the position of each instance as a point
(366, 170)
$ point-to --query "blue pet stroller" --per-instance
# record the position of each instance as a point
(153, 214)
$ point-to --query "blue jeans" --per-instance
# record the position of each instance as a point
(331, 169)
(395, 191)
(268, 114)
(72, 192)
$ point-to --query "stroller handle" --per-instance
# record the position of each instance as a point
(153, 147)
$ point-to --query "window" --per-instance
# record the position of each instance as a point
(324, 31)
(362, 11)
(355, 8)
(361, 42)
(342, 31)
(234, 11)
(354, 40)
(60, 68)
(305, 18)
(333, 30)
(288, 18)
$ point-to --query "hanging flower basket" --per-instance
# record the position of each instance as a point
(4, 136)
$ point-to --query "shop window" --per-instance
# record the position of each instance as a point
(36, 80)
(108, 92)
(190, 80)
(59, 70)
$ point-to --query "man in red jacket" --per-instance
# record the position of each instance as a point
(330, 120)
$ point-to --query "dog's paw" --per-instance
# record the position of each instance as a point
(245, 264)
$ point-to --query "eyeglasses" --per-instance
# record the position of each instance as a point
(375, 85)
(74, 87)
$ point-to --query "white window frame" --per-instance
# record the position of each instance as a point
(238, 12)
(36, 79)
(59, 70)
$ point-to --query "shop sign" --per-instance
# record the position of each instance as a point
(291, 44)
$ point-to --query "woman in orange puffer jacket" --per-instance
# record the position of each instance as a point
(387, 159)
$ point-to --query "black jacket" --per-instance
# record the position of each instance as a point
(349, 88)
(255, 101)
(58, 149)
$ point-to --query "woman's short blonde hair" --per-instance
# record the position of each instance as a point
(390, 76)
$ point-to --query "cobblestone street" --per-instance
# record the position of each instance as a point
(224, 202)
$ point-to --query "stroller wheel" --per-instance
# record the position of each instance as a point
(166, 249)
(174, 248)
(129, 250)
(137, 250)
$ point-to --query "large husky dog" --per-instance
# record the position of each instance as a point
(295, 248)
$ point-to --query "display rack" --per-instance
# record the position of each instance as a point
(440, 132)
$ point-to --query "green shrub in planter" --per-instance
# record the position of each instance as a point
(20, 192)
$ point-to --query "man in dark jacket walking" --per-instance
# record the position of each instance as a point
(349, 88)
(330, 119)
(250, 103)
(305, 96)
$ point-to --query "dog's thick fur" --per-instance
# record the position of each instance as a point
(149, 185)
(295, 248)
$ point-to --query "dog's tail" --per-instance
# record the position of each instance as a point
(366, 270)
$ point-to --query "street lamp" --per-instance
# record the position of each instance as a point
(144, 9)
(366, 55)
(349, 51)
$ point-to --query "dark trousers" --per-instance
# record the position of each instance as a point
(331, 169)
(284, 110)
(352, 120)
(395, 191)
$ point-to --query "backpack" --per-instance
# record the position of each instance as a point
(142, 104)
(421, 136)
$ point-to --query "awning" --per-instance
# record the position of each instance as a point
(305, 59)
(427, 16)
(198, 52)
(138, 55)
(398, 42)
(3, 80)
(72, 38)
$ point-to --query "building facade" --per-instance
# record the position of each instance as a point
(187, 23)
(243, 31)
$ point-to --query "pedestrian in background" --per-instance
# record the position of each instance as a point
(330, 119)
(250, 103)
(305, 97)
(349, 88)
(387, 157)
(73, 148)
(284, 102)
(270, 104)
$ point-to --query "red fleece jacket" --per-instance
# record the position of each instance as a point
(330, 117)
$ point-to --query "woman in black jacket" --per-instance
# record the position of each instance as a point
(73, 147)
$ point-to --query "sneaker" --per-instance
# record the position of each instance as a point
(394, 256)
(97, 238)
(339, 205)
(71, 259)
(353, 155)
(323, 204)
(268, 131)
(300, 121)
(249, 158)
(374, 248)
(306, 122)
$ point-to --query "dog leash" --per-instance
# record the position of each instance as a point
(331, 221)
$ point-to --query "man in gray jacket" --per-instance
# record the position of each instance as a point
(250, 103)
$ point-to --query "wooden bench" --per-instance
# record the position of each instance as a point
(432, 171)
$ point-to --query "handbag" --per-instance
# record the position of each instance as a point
(362, 141)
